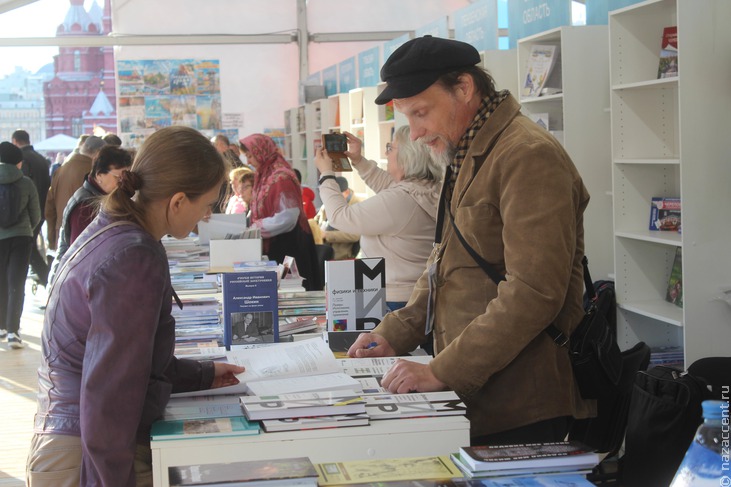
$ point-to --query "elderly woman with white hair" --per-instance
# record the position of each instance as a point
(398, 222)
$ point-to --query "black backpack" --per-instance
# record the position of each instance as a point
(9, 205)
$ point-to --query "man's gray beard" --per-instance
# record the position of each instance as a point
(444, 158)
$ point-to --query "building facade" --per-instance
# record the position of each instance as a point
(81, 97)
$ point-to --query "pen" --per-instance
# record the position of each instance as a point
(371, 345)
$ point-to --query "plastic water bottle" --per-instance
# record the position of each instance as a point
(703, 464)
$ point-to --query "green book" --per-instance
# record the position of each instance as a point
(203, 428)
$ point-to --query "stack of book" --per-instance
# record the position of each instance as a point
(166, 430)
(309, 410)
(198, 328)
(668, 356)
(301, 312)
(377, 472)
(529, 459)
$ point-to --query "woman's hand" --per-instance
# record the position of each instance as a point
(225, 374)
(323, 161)
(355, 148)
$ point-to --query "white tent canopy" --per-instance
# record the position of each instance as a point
(57, 143)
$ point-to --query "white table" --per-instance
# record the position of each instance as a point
(381, 439)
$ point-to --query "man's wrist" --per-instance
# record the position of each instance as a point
(325, 178)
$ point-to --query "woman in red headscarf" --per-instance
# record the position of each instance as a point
(276, 208)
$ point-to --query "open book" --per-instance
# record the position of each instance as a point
(302, 366)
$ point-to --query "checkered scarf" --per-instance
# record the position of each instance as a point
(487, 106)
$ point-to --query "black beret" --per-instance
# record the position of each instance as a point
(10, 154)
(418, 63)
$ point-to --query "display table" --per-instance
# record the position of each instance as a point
(381, 439)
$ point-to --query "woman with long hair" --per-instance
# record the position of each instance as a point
(107, 367)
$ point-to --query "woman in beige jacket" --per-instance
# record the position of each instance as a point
(398, 222)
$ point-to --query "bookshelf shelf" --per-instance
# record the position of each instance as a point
(579, 118)
(667, 140)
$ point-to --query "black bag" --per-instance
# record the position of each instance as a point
(595, 355)
(665, 411)
(9, 205)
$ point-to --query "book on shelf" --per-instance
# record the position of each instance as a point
(250, 313)
(541, 119)
(529, 456)
(665, 214)
(302, 404)
(356, 293)
(675, 281)
(414, 405)
(386, 470)
(276, 472)
(203, 428)
(540, 64)
(668, 66)
(267, 362)
(315, 422)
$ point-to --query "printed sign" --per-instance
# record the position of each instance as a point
(477, 25)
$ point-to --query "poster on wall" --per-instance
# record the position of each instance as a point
(157, 93)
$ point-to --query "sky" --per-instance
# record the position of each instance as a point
(39, 19)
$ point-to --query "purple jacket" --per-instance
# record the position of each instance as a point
(108, 338)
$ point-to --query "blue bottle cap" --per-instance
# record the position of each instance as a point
(714, 409)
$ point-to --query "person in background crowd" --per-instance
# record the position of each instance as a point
(108, 329)
(517, 200)
(79, 144)
(345, 244)
(36, 167)
(308, 197)
(82, 206)
(66, 181)
(221, 143)
(16, 242)
(276, 208)
(242, 185)
(112, 139)
(398, 222)
(58, 162)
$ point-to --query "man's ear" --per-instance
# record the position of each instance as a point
(176, 202)
(465, 89)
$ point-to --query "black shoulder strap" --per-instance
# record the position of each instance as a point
(556, 335)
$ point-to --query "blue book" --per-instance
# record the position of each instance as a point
(203, 428)
(250, 310)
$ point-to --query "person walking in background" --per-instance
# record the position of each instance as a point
(398, 222)
(66, 181)
(108, 329)
(276, 209)
(20, 215)
(37, 168)
(81, 207)
(513, 197)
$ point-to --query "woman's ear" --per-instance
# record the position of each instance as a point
(176, 202)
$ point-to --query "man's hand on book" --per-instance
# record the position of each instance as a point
(370, 345)
(225, 374)
(407, 376)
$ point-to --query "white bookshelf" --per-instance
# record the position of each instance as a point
(579, 119)
(669, 138)
(500, 64)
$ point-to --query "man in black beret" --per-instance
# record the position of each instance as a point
(513, 199)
